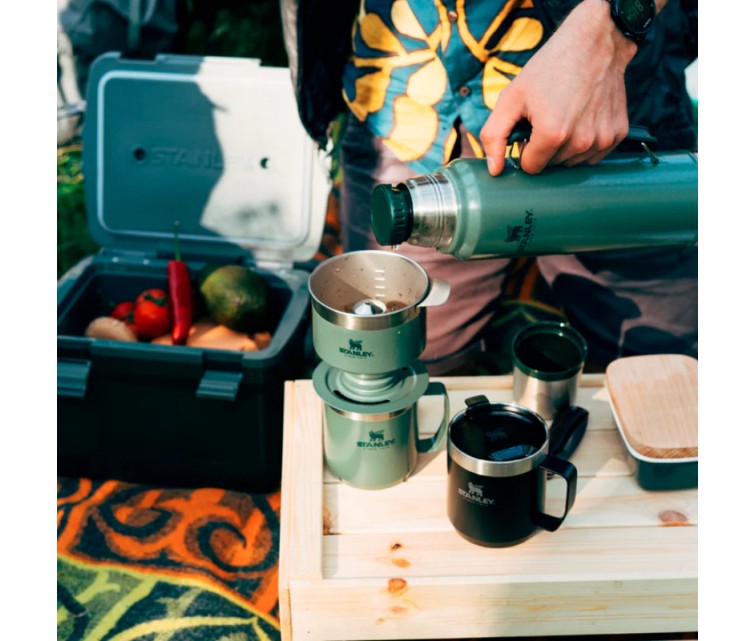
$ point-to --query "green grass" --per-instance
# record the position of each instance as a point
(236, 29)
(74, 240)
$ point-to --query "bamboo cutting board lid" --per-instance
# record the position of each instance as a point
(655, 402)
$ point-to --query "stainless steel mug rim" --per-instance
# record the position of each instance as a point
(364, 323)
(350, 320)
(559, 329)
(500, 469)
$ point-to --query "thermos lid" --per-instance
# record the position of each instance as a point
(391, 214)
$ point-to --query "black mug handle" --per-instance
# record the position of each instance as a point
(568, 472)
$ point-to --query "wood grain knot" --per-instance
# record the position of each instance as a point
(673, 518)
(402, 563)
(327, 522)
(398, 609)
(396, 546)
(397, 586)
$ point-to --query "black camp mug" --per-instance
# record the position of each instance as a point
(497, 461)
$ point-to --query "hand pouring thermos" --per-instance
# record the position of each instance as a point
(369, 330)
(629, 201)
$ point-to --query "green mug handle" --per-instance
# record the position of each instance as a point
(432, 443)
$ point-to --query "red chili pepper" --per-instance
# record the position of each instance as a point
(180, 288)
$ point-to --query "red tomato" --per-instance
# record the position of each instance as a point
(152, 316)
(125, 312)
(122, 309)
(155, 295)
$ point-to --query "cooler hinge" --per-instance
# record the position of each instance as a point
(73, 375)
(273, 265)
(126, 257)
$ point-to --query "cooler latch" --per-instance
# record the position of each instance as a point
(73, 375)
(218, 385)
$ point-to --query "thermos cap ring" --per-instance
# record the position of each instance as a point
(391, 214)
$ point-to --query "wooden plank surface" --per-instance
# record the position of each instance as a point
(494, 606)
(617, 554)
(391, 566)
(302, 502)
(351, 511)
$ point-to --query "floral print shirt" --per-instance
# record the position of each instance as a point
(420, 65)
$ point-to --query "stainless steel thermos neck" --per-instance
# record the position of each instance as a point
(629, 201)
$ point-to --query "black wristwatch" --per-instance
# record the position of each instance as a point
(634, 18)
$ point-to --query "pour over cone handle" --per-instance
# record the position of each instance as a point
(438, 293)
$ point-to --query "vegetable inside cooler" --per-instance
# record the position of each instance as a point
(101, 287)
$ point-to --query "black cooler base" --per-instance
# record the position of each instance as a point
(171, 415)
(133, 433)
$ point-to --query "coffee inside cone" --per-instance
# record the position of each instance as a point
(370, 307)
(369, 283)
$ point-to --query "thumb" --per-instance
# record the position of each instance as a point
(495, 133)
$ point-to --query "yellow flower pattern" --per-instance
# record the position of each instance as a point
(420, 65)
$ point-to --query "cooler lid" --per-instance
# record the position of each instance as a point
(215, 143)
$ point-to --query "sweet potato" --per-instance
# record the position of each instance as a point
(210, 335)
(110, 328)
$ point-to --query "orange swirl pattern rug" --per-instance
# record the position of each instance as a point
(149, 563)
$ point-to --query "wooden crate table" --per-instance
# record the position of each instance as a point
(387, 564)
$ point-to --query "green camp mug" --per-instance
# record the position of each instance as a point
(376, 446)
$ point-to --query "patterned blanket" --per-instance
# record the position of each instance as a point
(143, 562)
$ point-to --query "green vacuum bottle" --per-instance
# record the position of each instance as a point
(626, 201)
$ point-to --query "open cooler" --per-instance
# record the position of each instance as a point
(216, 144)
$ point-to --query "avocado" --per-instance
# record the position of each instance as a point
(236, 297)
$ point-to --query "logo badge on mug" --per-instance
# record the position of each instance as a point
(498, 461)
